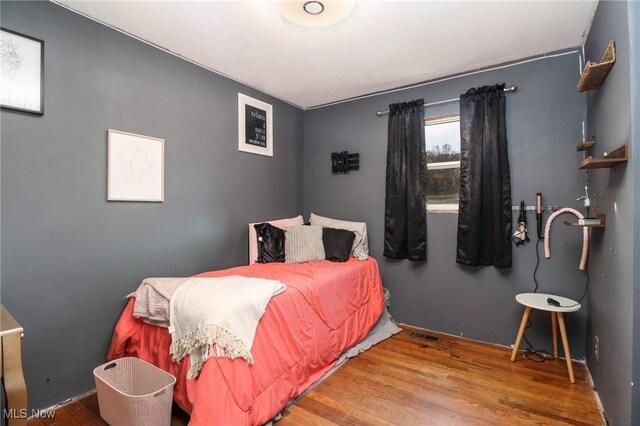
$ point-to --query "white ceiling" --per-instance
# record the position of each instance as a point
(382, 45)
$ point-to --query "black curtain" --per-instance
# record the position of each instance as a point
(484, 218)
(405, 219)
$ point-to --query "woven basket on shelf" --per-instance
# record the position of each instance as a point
(594, 73)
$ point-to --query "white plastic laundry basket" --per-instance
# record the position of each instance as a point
(133, 392)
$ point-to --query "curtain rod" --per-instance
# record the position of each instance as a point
(506, 89)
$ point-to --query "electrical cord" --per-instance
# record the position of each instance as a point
(530, 353)
(539, 355)
(520, 236)
(536, 355)
(535, 270)
(516, 239)
(586, 289)
(586, 285)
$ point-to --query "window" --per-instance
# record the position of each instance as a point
(442, 134)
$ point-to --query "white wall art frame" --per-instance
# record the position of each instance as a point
(255, 126)
(135, 167)
(22, 80)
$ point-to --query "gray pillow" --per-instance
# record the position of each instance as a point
(303, 244)
(360, 248)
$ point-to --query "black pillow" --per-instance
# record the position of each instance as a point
(337, 244)
(270, 243)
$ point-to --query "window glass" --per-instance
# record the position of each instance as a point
(442, 136)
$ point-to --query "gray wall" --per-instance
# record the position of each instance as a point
(543, 125)
(611, 292)
(634, 51)
(68, 255)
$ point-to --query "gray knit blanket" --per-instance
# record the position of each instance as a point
(152, 299)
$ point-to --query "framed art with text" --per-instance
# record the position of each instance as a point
(135, 169)
(255, 126)
(22, 60)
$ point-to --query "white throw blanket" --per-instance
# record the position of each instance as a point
(223, 312)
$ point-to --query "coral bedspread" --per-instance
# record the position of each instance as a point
(327, 308)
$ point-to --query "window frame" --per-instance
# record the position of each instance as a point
(433, 121)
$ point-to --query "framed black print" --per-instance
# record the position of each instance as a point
(255, 126)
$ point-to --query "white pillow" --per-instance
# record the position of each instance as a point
(253, 237)
(360, 248)
(303, 244)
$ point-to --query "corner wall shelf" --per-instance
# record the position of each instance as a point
(586, 145)
(602, 224)
(595, 73)
(614, 158)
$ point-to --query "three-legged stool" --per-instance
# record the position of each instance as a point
(539, 301)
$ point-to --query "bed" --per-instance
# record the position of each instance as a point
(327, 308)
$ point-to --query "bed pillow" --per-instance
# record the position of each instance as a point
(337, 243)
(360, 248)
(270, 243)
(303, 244)
(280, 223)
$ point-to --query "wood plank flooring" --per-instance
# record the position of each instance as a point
(85, 412)
(409, 381)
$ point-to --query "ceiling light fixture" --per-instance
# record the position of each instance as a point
(313, 7)
(315, 13)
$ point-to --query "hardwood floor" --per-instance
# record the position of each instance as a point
(409, 381)
(85, 412)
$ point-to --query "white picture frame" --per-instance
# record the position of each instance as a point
(255, 126)
(22, 60)
(135, 170)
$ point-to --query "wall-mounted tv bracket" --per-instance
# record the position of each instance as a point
(342, 162)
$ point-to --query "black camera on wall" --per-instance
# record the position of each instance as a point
(342, 162)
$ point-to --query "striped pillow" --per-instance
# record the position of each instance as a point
(303, 244)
